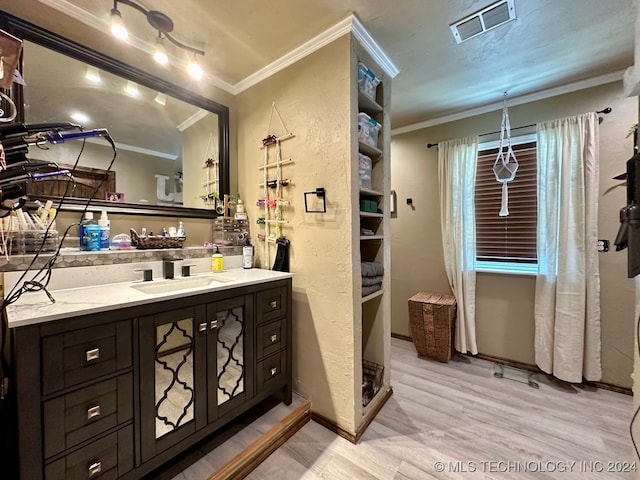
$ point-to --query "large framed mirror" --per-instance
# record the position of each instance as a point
(172, 144)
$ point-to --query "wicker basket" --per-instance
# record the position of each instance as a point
(155, 242)
(432, 318)
(372, 375)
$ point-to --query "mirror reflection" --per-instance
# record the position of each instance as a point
(230, 352)
(174, 381)
(163, 143)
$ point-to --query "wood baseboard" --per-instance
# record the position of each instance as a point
(374, 412)
(338, 430)
(245, 462)
(401, 337)
(334, 427)
(530, 368)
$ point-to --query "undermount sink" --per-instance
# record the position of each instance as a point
(184, 283)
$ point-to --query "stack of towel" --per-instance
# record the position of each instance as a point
(372, 275)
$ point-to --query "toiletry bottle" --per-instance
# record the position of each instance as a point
(217, 261)
(181, 230)
(105, 231)
(88, 220)
(92, 237)
(240, 214)
(247, 254)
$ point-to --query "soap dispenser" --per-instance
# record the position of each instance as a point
(217, 261)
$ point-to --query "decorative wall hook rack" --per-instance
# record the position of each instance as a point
(319, 192)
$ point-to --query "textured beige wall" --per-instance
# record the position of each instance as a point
(200, 142)
(505, 302)
(313, 98)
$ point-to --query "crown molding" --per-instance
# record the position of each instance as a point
(372, 47)
(532, 97)
(338, 30)
(349, 24)
(199, 115)
(133, 148)
(67, 8)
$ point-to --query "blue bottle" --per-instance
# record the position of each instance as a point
(92, 237)
(88, 220)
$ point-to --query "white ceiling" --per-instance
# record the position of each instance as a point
(552, 43)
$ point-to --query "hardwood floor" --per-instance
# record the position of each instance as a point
(476, 425)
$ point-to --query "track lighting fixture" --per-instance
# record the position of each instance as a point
(164, 26)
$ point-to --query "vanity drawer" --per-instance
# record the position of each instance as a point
(107, 458)
(271, 337)
(272, 304)
(75, 357)
(80, 415)
(271, 371)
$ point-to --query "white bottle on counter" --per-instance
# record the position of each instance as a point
(105, 231)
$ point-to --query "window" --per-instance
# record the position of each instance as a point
(507, 244)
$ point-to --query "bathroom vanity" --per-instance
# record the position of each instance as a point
(114, 380)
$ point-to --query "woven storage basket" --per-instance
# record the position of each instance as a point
(432, 318)
(154, 241)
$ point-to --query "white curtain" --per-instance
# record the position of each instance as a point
(567, 300)
(457, 161)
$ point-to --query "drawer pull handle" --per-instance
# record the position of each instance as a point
(93, 412)
(274, 304)
(93, 354)
(213, 325)
(274, 338)
(95, 468)
(273, 371)
(202, 327)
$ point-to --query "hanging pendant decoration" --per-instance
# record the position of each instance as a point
(506, 165)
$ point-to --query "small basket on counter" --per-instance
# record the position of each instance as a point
(155, 241)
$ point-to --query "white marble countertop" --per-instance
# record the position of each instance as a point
(35, 307)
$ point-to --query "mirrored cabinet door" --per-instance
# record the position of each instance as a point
(229, 354)
(172, 377)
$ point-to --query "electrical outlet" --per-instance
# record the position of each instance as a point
(603, 245)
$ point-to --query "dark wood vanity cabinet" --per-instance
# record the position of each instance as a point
(116, 394)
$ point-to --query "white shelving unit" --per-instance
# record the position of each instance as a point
(374, 309)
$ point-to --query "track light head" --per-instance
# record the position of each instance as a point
(160, 51)
(118, 28)
(194, 69)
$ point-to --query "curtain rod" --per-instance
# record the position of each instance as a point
(604, 111)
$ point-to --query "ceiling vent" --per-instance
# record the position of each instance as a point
(492, 16)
